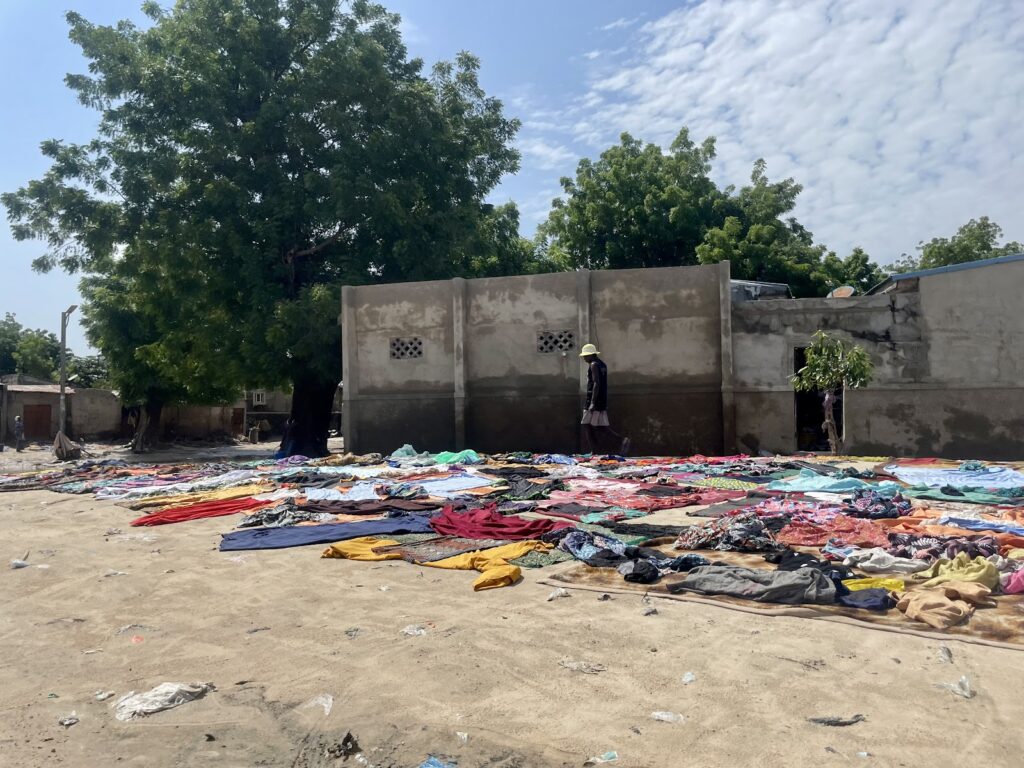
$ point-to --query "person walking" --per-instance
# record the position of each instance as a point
(596, 426)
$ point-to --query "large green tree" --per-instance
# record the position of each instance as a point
(10, 333)
(976, 240)
(635, 206)
(252, 156)
(761, 241)
(37, 354)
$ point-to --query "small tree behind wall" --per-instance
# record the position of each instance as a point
(833, 365)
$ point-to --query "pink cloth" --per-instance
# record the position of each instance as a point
(1015, 584)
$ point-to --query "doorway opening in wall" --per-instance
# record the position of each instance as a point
(810, 412)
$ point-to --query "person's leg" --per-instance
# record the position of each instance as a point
(589, 439)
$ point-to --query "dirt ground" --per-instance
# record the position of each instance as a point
(275, 629)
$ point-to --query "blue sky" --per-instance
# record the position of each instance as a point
(901, 119)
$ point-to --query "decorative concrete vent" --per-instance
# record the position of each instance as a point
(549, 342)
(403, 349)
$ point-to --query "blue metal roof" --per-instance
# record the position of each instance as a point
(948, 268)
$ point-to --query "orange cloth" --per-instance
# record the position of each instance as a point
(944, 606)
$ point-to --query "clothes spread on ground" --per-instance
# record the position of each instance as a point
(875, 582)
(875, 506)
(877, 560)
(199, 511)
(298, 535)
(487, 523)
(928, 548)
(960, 568)
(811, 481)
(286, 513)
(806, 585)
(946, 605)
(440, 547)
(867, 599)
(839, 530)
(982, 478)
(740, 533)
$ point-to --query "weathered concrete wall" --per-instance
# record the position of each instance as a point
(94, 413)
(196, 420)
(399, 400)
(488, 380)
(949, 366)
(765, 335)
(968, 401)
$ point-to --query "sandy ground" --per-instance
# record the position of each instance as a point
(275, 629)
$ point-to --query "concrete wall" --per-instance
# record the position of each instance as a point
(483, 382)
(949, 366)
(94, 413)
(765, 335)
(180, 421)
(968, 399)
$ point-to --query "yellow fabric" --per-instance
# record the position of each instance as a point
(875, 582)
(182, 499)
(1014, 554)
(495, 570)
(362, 549)
(960, 568)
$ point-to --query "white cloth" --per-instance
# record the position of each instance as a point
(934, 477)
(164, 696)
(877, 560)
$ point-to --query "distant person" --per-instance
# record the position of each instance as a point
(19, 434)
(596, 426)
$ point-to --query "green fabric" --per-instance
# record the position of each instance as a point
(727, 483)
(541, 559)
(467, 456)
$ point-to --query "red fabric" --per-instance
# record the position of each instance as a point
(844, 531)
(201, 510)
(487, 523)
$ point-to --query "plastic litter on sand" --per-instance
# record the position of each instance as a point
(688, 678)
(560, 592)
(324, 700)
(413, 630)
(961, 687)
(165, 696)
(667, 717)
(608, 757)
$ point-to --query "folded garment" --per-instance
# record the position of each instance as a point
(921, 546)
(971, 524)
(946, 605)
(875, 582)
(961, 569)
(299, 535)
(285, 513)
(868, 599)
(807, 585)
(1014, 583)
(877, 560)
(487, 523)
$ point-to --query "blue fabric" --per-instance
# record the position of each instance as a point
(981, 525)
(554, 458)
(868, 599)
(934, 477)
(301, 535)
(808, 481)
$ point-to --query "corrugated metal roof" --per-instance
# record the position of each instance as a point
(53, 389)
(948, 268)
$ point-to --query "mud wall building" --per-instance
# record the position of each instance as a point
(696, 364)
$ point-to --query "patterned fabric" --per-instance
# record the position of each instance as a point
(745, 532)
(867, 503)
(930, 548)
(727, 483)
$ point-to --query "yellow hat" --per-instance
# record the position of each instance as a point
(589, 349)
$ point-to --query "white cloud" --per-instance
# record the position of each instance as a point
(591, 55)
(620, 23)
(544, 154)
(901, 120)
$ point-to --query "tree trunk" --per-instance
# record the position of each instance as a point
(830, 422)
(312, 401)
(149, 422)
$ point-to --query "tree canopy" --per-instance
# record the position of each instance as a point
(251, 157)
(976, 240)
(639, 206)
